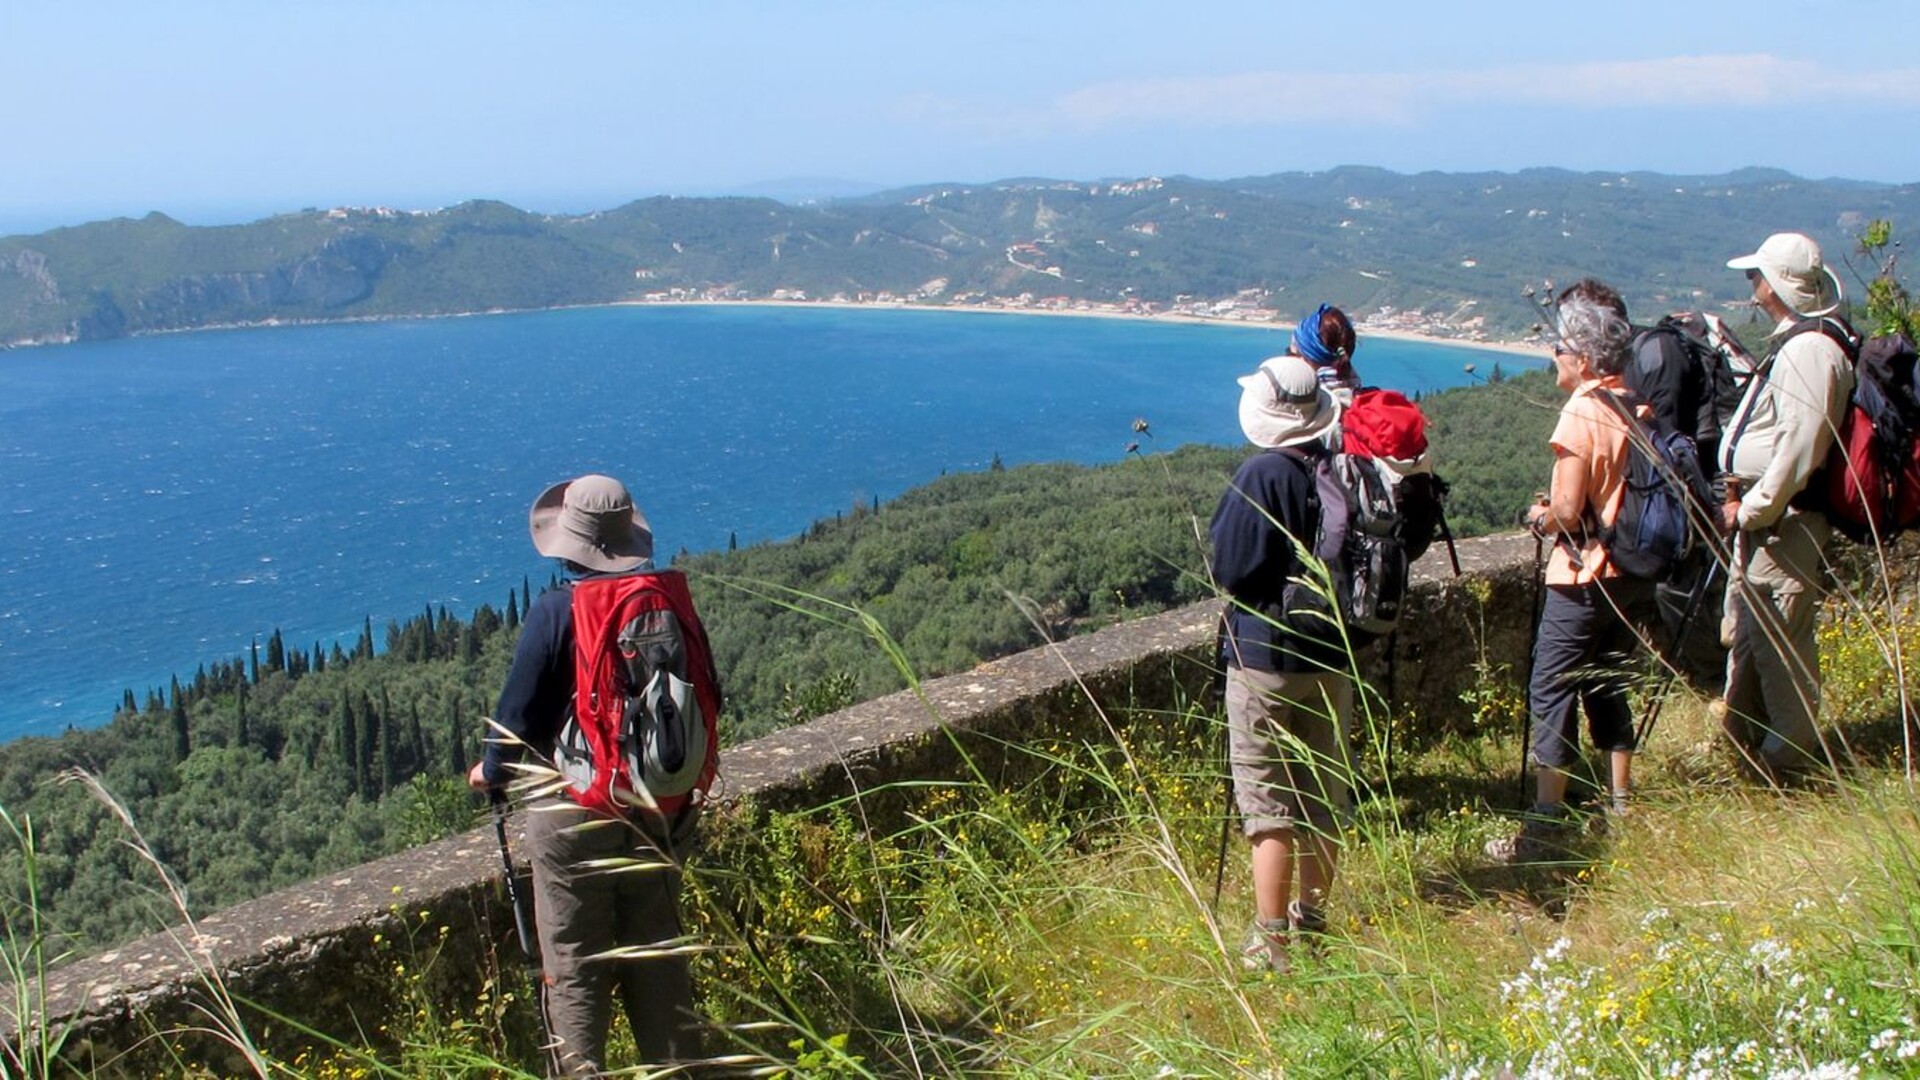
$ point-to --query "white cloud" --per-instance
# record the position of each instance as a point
(1401, 98)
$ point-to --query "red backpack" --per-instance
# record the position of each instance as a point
(642, 736)
(1383, 426)
(1870, 486)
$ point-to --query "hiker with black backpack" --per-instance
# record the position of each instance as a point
(1288, 693)
(1690, 371)
(1779, 437)
(1584, 637)
(625, 766)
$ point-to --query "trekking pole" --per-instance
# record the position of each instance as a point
(1694, 602)
(527, 947)
(1446, 534)
(1226, 830)
(1533, 641)
(1222, 640)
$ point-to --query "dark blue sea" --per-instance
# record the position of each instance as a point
(164, 501)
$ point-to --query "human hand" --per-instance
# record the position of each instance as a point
(1535, 515)
(477, 777)
(1729, 517)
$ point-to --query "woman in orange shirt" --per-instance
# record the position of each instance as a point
(1585, 637)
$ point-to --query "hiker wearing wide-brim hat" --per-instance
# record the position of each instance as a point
(591, 522)
(1288, 695)
(1776, 440)
(1283, 404)
(584, 913)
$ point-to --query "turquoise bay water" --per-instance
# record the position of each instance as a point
(164, 501)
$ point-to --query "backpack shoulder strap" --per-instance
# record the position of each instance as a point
(1832, 327)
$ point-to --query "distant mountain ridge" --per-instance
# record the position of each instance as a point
(1457, 248)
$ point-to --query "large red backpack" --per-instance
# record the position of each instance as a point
(1387, 432)
(1870, 486)
(641, 738)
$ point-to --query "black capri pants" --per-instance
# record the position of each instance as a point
(1580, 658)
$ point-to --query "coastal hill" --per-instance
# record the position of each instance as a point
(1446, 253)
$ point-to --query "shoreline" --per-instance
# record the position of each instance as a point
(1525, 349)
(1513, 348)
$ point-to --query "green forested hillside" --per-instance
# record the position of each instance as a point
(1458, 247)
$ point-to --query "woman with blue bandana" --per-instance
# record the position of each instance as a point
(1326, 340)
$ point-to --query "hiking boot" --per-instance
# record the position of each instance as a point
(1266, 947)
(1309, 926)
(1542, 837)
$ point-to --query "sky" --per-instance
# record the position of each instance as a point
(218, 112)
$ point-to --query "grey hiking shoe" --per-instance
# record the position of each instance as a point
(1266, 947)
(1309, 925)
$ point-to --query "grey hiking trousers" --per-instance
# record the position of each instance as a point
(1773, 663)
(584, 913)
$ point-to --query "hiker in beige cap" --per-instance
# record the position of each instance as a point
(1775, 440)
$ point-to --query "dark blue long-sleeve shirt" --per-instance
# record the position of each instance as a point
(539, 688)
(1253, 559)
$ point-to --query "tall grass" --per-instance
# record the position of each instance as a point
(1065, 925)
(1065, 928)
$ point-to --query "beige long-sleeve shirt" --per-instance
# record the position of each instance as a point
(1786, 423)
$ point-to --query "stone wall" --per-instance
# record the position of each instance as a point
(322, 955)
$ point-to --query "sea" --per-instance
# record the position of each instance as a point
(166, 501)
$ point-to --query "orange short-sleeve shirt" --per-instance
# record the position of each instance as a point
(1591, 430)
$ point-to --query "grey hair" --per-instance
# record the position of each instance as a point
(1593, 322)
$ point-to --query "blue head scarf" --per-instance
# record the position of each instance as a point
(1306, 339)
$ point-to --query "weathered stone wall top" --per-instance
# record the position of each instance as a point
(307, 951)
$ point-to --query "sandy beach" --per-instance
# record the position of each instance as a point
(1530, 350)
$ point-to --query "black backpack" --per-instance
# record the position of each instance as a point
(1693, 375)
(1357, 534)
(1377, 560)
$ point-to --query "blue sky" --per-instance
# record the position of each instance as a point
(216, 112)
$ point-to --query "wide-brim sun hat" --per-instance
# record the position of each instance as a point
(591, 521)
(1283, 404)
(1792, 265)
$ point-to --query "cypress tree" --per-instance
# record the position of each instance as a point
(349, 739)
(254, 667)
(457, 763)
(276, 652)
(513, 610)
(370, 725)
(417, 759)
(389, 764)
(182, 737)
(240, 715)
(526, 596)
